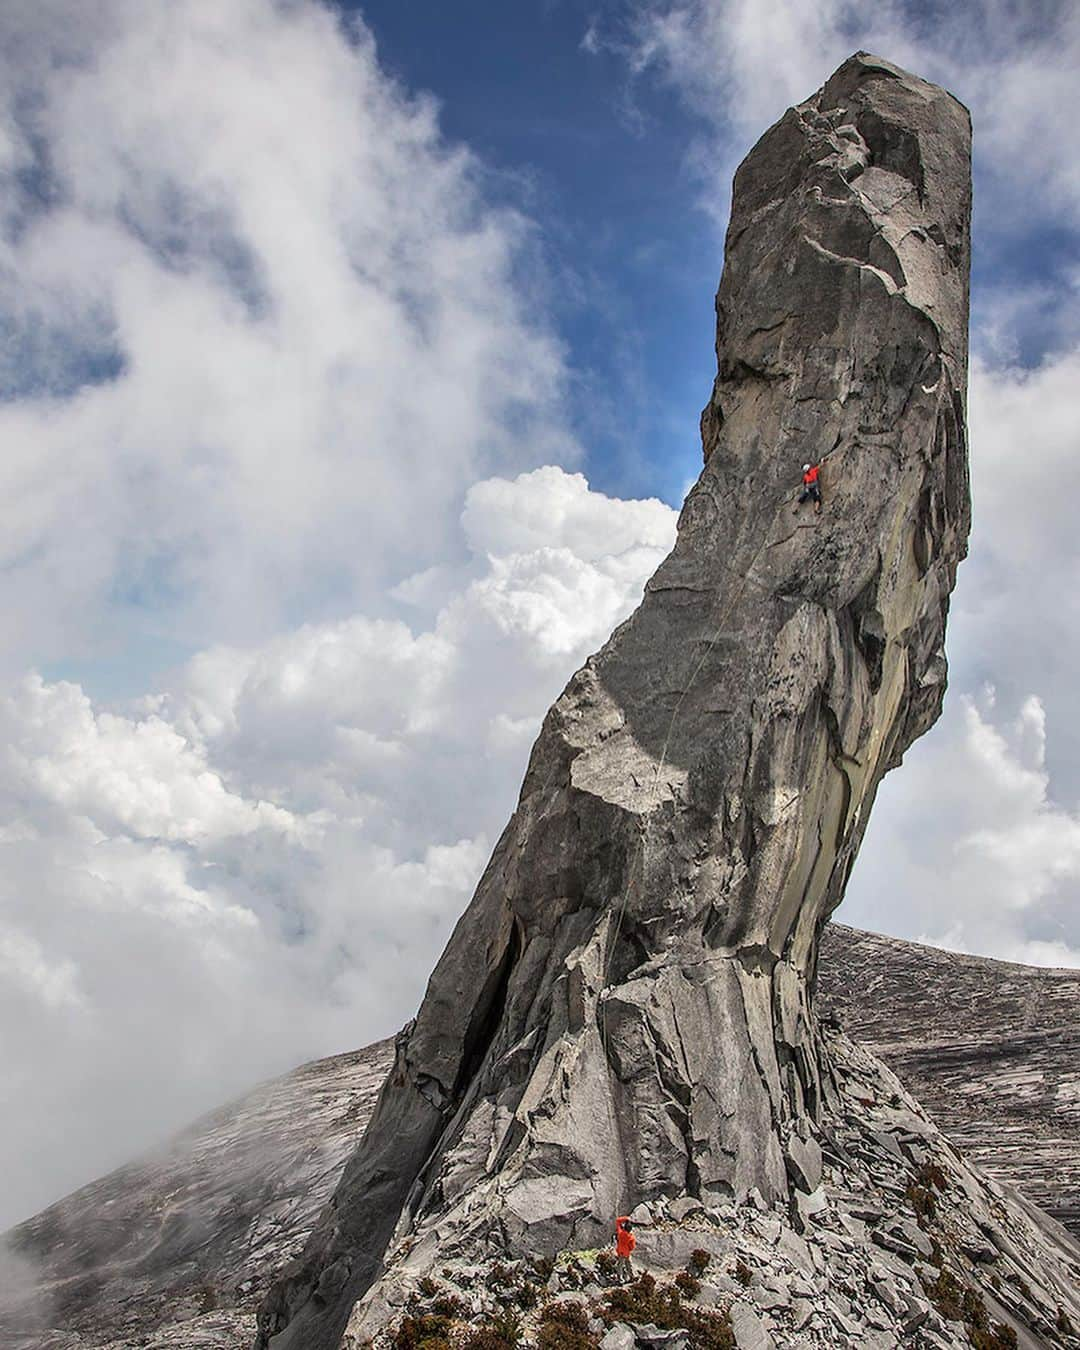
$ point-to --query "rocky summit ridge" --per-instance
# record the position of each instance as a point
(179, 1249)
(990, 1048)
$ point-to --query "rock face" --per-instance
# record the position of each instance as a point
(623, 1012)
(1000, 1074)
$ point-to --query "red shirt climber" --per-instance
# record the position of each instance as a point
(811, 487)
(625, 1242)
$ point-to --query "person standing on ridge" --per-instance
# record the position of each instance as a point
(811, 474)
(625, 1242)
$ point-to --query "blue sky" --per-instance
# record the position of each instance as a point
(599, 160)
(608, 160)
(349, 384)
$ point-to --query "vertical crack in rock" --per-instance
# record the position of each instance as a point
(624, 1010)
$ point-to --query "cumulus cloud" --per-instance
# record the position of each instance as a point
(262, 328)
(1014, 617)
(968, 850)
(552, 509)
(141, 778)
(262, 864)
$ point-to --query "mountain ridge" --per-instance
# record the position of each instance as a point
(319, 1108)
(1015, 1046)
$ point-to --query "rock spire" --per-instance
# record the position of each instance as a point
(624, 1012)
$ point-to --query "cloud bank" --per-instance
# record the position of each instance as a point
(263, 864)
(262, 327)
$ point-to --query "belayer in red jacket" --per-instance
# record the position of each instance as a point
(811, 480)
(625, 1242)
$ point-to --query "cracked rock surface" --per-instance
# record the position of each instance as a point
(623, 1012)
(902, 1243)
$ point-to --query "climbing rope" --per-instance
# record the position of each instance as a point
(732, 601)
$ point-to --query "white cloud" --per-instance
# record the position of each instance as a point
(968, 850)
(1016, 615)
(24, 963)
(137, 777)
(263, 864)
(263, 329)
(553, 509)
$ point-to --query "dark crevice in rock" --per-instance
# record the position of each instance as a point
(488, 1012)
(953, 443)
(738, 370)
(757, 959)
(870, 632)
(893, 147)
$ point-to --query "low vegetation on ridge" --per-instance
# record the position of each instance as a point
(438, 1319)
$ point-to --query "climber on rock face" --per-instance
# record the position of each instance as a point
(811, 487)
(625, 1242)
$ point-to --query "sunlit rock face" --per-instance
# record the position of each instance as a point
(623, 1012)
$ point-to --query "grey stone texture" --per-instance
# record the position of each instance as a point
(619, 1337)
(623, 1012)
(1000, 1073)
(750, 1331)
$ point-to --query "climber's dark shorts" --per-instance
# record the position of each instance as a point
(811, 493)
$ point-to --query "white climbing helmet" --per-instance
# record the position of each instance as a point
(805, 468)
